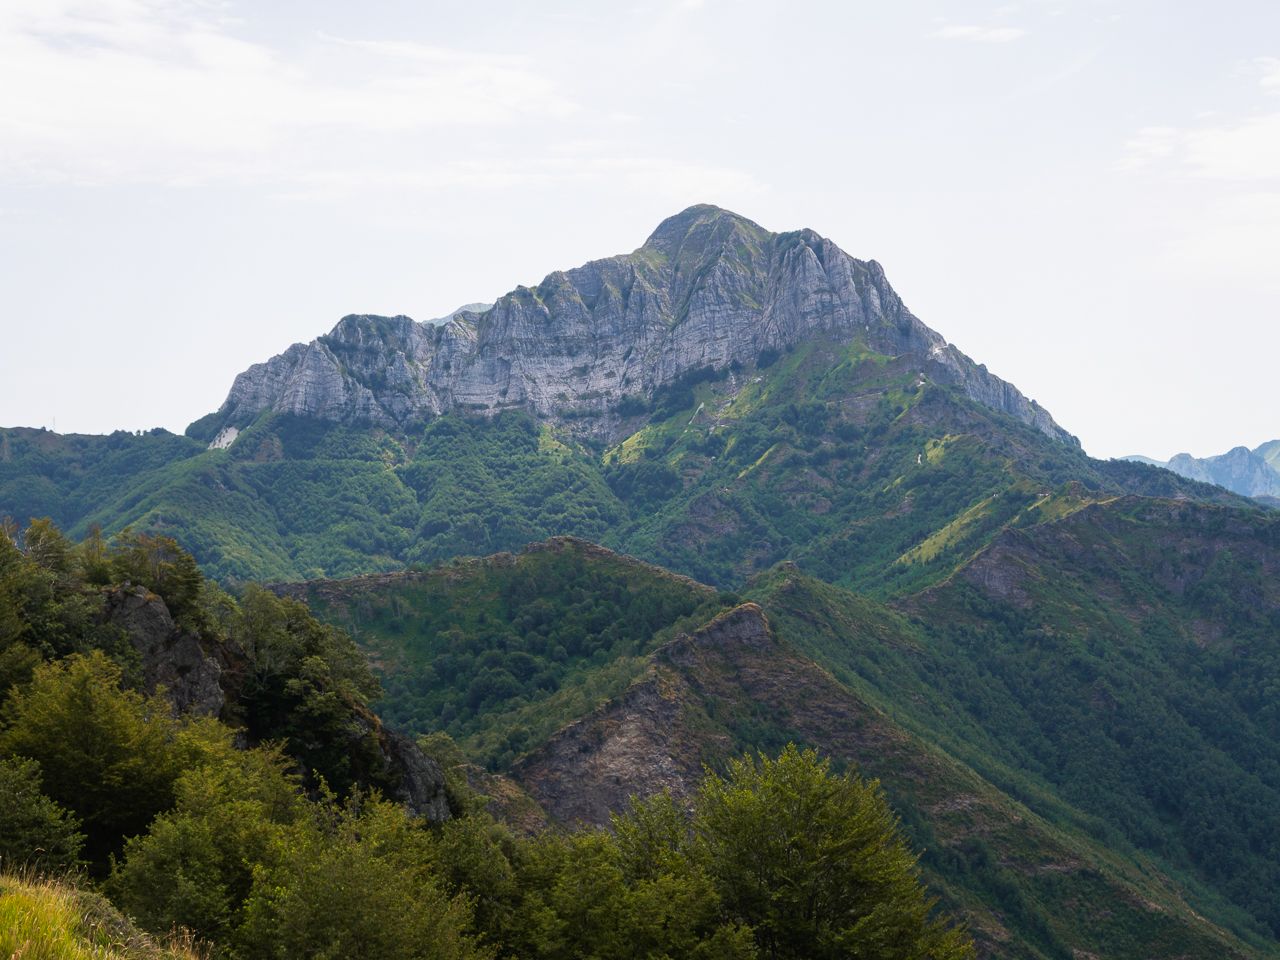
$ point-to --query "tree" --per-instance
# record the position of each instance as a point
(815, 864)
(34, 831)
(639, 891)
(164, 568)
(41, 610)
(48, 548)
(108, 754)
(194, 868)
(308, 684)
(355, 880)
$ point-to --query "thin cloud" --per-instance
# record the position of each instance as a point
(977, 34)
(164, 91)
(1246, 149)
(1149, 146)
(1268, 69)
(649, 175)
(1232, 237)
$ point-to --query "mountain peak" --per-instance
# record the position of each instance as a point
(709, 289)
(702, 223)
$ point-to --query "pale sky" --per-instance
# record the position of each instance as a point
(1083, 194)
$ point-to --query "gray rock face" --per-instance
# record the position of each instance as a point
(171, 658)
(422, 786)
(641, 742)
(708, 288)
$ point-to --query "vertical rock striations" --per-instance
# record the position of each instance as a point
(708, 288)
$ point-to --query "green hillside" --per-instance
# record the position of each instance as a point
(831, 455)
(499, 653)
(250, 807)
(1021, 849)
(1088, 646)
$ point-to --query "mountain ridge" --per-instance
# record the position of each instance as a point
(1250, 473)
(707, 289)
(792, 659)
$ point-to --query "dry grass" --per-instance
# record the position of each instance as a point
(51, 919)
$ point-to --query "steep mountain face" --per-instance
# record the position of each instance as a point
(707, 289)
(1063, 670)
(1250, 473)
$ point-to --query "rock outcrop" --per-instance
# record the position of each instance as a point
(422, 781)
(642, 742)
(172, 658)
(1240, 470)
(203, 677)
(707, 289)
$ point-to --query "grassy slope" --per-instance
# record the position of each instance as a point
(296, 499)
(1028, 887)
(1022, 719)
(1129, 659)
(847, 461)
(1109, 669)
(54, 920)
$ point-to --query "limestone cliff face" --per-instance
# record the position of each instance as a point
(708, 288)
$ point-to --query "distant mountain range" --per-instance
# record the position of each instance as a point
(1250, 473)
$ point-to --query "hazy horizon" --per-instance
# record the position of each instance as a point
(1083, 196)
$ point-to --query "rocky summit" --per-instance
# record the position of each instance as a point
(708, 289)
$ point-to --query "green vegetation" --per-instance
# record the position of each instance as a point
(106, 750)
(55, 920)
(827, 454)
(295, 498)
(894, 660)
(109, 755)
(35, 832)
(500, 653)
(816, 861)
(1107, 661)
(286, 847)
(1119, 690)
(362, 877)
